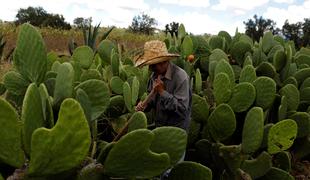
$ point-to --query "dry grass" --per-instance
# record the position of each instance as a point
(4, 67)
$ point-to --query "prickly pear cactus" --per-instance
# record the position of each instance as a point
(259, 166)
(31, 120)
(84, 56)
(131, 157)
(67, 153)
(265, 92)
(137, 121)
(222, 122)
(222, 88)
(303, 122)
(98, 94)
(11, 152)
(224, 67)
(29, 56)
(127, 96)
(243, 97)
(135, 90)
(64, 83)
(198, 81)
(247, 74)
(174, 146)
(276, 173)
(116, 84)
(291, 92)
(15, 83)
(200, 108)
(253, 130)
(281, 136)
(104, 49)
(190, 170)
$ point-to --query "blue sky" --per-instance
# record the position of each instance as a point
(198, 16)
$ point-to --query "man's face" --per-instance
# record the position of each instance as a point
(159, 68)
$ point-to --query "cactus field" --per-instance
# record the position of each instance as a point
(73, 117)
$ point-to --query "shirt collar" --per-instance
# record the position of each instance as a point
(168, 72)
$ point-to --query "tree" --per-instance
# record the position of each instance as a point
(143, 24)
(306, 32)
(255, 28)
(37, 16)
(81, 22)
(293, 32)
(172, 28)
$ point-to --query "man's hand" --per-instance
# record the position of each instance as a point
(159, 86)
(140, 107)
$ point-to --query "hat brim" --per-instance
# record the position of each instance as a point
(149, 61)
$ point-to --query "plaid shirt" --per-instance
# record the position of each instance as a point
(173, 107)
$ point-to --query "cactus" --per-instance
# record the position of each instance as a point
(104, 49)
(31, 120)
(116, 106)
(190, 170)
(116, 84)
(137, 121)
(11, 152)
(2, 88)
(282, 160)
(46, 107)
(90, 74)
(85, 103)
(134, 148)
(267, 42)
(247, 74)
(243, 97)
(115, 63)
(305, 84)
(281, 136)
(238, 51)
(15, 83)
(258, 57)
(302, 74)
(73, 129)
(290, 80)
(259, 166)
(174, 146)
(279, 60)
(92, 171)
(292, 94)
(265, 92)
(248, 61)
(193, 133)
(303, 122)
(302, 59)
(253, 130)
(273, 51)
(98, 94)
(64, 83)
(135, 90)
(282, 112)
(305, 95)
(29, 56)
(226, 36)
(275, 173)
(224, 67)
(266, 69)
(187, 46)
(222, 88)
(266, 133)
(198, 81)
(222, 122)
(216, 42)
(127, 96)
(84, 56)
(232, 156)
(200, 108)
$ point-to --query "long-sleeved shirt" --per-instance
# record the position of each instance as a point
(173, 107)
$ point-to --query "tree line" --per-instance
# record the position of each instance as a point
(143, 23)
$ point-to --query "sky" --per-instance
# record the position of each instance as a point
(198, 16)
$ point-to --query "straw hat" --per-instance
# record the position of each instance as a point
(154, 52)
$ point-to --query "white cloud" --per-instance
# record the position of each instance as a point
(238, 4)
(190, 3)
(202, 23)
(293, 13)
(284, 1)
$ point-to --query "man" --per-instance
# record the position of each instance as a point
(169, 87)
